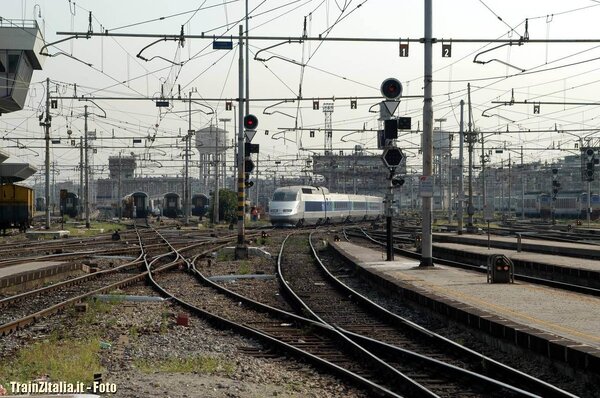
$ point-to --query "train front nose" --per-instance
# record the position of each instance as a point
(283, 213)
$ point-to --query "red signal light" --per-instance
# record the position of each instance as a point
(250, 122)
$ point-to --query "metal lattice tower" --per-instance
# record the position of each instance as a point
(328, 142)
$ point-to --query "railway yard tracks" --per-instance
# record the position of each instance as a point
(20, 310)
(441, 366)
(303, 306)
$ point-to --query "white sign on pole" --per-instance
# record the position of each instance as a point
(391, 106)
(249, 135)
(426, 186)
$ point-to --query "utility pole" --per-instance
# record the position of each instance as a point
(216, 207)
(119, 193)
(186, 187)
(426, 251)
(470, 141)
(87, 185)
(216, 195)
(247, 63)
(461, 193)
(256, 185)
(522, 186)
(241, 250)
(53, 188)
(450, 137)
(589, 203)
(80, 178)
(47, 121)
(483, 190)
(509, 185)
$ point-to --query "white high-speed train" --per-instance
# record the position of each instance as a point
(303, 205)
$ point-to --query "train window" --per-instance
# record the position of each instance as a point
(374, 206)
(341, 205)
(284, 197)
(359, 205)
(314, 206)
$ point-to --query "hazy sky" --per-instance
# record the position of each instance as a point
(553, 72)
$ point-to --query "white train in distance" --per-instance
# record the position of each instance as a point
(307, 205)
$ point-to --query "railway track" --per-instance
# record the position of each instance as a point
(322, 345)
(21, 310)
(286, 332)
(377, 239)
(439, 365)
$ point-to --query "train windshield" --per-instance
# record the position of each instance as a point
(284, 196)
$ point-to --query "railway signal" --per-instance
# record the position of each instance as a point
(247, 182)
(250, 122)
(391, 88)
(397, 181)
(589, 160)
(392, 157)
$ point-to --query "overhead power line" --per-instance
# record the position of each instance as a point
(82, 35)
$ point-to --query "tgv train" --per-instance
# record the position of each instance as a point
(303, 205)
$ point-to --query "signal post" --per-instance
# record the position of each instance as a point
(245, 167)
(392, 156)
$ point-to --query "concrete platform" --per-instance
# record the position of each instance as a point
(565, 269)
(555, 323)
(37, 235)
(528, 244)
(28, 272)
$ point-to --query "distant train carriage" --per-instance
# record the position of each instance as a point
(172, 205)
(40, 204)
(594, 203)
(545, 205)
(567, 205)
(302, 205)
(136, 205)
(16, 207)
(200, 203)
(69, 203)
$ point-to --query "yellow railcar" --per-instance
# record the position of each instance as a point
(17, 205)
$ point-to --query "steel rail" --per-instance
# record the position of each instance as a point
(266, 337)
(492, 366)
(478, 268)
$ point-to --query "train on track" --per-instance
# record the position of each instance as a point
(69, 203)
(200, 203)
(307, 205)
(568, 204)
(140, 205)
(17, 206)
(40, 204)
(172, 205)
(136, 205)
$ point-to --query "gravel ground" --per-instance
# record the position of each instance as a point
(148, 332)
